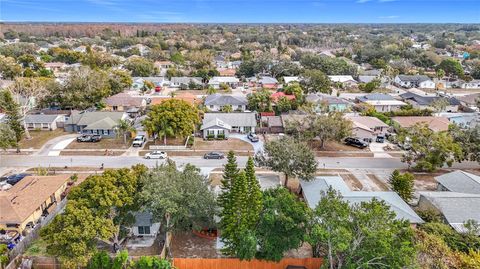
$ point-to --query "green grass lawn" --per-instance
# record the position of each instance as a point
(37, 248)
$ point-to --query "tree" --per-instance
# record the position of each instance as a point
(9, 69)
(316, 81)
(140, 67)
(13, 116)
(72, 235)
(366, 235)
(402, 184)
(295, 89)
(181, 200)
(119, 80)
(241, 207)
(370, 86)
(428, 149)
(172, 117)
(469, 140)
(451, 67)
(124, 127)
(7, 137)
(260, 101)
(283, 105)
(290, 157)
(440, 73)
(227, 108)
(332, 126)
(440, 104)
(282, 224)
(327, 65)
(84, 88)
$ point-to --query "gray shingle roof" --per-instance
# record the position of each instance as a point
(40, 118)
(232, 119)
(427, 100)
(224, 99)
(414, 78)
(375, 96)
(186, 80)
(89, 118)
(312, 193)
(143, 218)
(460, 181)
(455, 207)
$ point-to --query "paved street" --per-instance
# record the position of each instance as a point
(126, 161)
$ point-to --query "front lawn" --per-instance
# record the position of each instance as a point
(223, 145)
(105, 143)
(39, 138)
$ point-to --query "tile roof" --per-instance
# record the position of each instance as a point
(370, 122)
(124, 99)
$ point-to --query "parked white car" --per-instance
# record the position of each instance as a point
(139, 140)
(156, 155)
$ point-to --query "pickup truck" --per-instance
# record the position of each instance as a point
(139, 140)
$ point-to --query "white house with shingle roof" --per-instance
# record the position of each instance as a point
(216, 102)
(215, 124)
(44, 122)
(97, 122)
(230, 81)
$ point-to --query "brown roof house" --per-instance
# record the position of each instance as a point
(367, 127)
(124, 102)
(436, 124)
(30, 199)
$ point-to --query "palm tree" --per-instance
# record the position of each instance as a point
(124, 127)
(165, 129)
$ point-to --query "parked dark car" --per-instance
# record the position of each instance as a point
(213, 155)
(89, 138)
(380, 139)
(84, 138)
(14, 179)
(355, 142)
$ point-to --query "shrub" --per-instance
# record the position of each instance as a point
(220, 136)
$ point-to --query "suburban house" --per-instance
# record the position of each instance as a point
(163, 64)
(414, 81)
(55, 67)
(216, 102)
(289, 80)
(464, 120)
(347, 81)
(272, 124)
(30, 199)
(474, 84)
(138, 82)
(97, 122)
(44, 122)
(365, 127)
(263, 82)
(313, 191)
(124, 102)
(469, 102)
(275, 97)
(187, 97)
(215, 124)
(227, 72)
(381, 102)
(144, 224)
(425, 102)
(232, 82)
(436, 124)
(457, 199)
(326, 102)
(185, 82)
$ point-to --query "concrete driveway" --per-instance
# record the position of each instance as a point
(257, 146)
(54, 146)
(378, 151)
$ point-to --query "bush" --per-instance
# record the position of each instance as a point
(220, 136)
(190, 141)
(210, 137)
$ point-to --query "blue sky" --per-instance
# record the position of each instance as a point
(248, 11)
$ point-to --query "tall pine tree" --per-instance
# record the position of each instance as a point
(254, 194)
(241, 204)
(13, 116)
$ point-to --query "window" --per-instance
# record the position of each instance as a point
(210, 132)
(143, 229)
(114, 108)
(221, 132)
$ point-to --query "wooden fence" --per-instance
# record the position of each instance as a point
(185, 263)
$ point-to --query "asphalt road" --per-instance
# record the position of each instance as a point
(127, 161)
